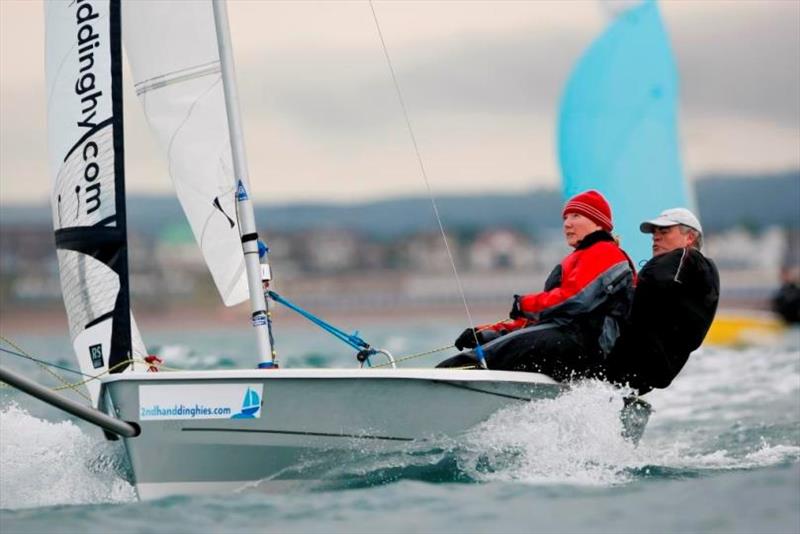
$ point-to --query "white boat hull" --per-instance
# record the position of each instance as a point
(304, 414)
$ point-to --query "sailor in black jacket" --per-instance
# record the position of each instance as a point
(673, 306)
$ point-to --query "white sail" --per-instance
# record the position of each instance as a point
(84, 117)
(172, 51)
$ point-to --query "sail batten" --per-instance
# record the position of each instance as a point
(183, 75)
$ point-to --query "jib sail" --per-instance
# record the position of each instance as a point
(173, 53)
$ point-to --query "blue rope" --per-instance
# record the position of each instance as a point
(351, 339)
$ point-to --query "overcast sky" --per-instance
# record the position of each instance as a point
(481, 80)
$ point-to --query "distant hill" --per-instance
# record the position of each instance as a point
(724, 202)
(755, 201)
(389, 218)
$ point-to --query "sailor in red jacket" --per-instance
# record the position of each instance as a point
(573, 323)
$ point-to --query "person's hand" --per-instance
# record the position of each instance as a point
(467, 339)
(516, 310)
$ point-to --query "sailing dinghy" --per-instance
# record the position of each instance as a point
(209, 431)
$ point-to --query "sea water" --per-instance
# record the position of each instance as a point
(721, 454)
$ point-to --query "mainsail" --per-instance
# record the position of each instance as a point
(84, 117)
(617, 128)
(173, 53)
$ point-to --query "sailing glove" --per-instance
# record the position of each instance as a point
(467, 338)
(516, 310)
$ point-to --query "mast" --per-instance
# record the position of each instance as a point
(244, 212)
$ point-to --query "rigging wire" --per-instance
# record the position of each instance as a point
(74, 386)
(44, 365)
(424, 174)
(42, 362)
(160, 366)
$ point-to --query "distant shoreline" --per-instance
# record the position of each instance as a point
(54, 319)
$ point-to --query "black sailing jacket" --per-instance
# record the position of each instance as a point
(673, 306)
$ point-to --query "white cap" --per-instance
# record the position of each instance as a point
(672, 217)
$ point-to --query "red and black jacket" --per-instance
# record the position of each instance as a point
(592, 288)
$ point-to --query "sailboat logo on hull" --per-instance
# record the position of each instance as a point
(251, 404)
(194, 401)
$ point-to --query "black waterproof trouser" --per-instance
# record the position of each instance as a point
(558, 351)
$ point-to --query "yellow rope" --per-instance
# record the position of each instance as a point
(440, 349)
(46, 368)
(75, 385)
(412, 356)
(117, 366)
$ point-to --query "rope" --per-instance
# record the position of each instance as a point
(42, 362)
(75, 385)
(351, 339)
(433, 351)
(479, 350)
(43, 365)
(417, 355)
(96, 377)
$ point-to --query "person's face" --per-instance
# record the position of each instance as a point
(667, 238)
(576, 227)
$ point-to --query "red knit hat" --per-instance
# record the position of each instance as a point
(593, 205)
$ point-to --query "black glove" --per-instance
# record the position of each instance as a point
(516, 310)
(467, 338)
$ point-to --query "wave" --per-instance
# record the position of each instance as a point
(45, 464)
(184, 357)
(729, 410)
(574, 439)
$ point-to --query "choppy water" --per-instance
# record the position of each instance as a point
(721, 454)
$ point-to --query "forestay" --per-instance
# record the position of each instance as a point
(618, 125)
(172, 51)
(84, 118)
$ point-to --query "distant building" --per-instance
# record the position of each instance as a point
(283, 256)
(550, 250)
(28, 263)
(176, 250)
(740, 249)
(328, 250)
(502, 249)
(425, 252)
(27, 248)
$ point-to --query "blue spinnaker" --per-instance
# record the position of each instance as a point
(617, 129)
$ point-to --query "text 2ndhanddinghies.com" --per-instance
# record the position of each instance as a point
(181, 410)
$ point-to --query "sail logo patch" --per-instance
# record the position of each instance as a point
(96, 354)
(251, 405)
(241, 192)
(191, 401)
